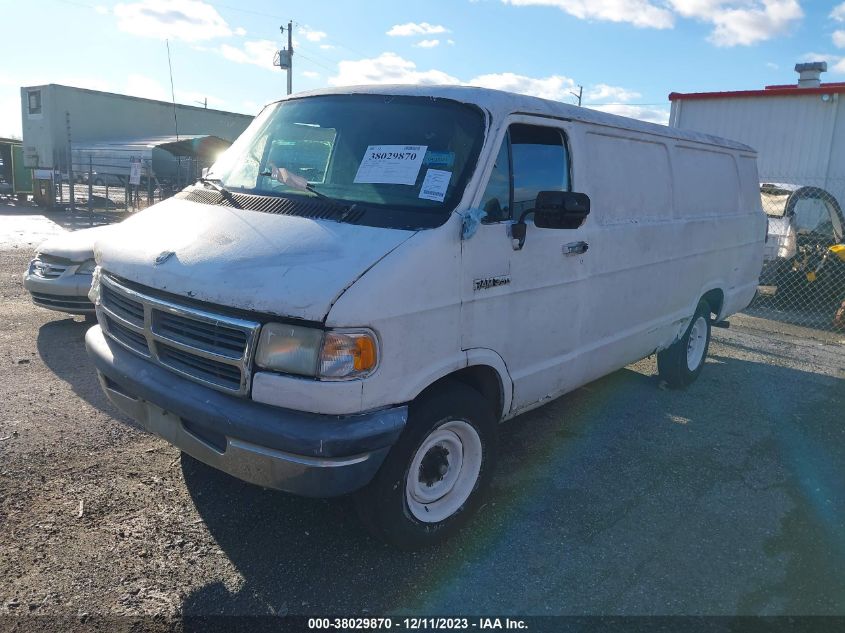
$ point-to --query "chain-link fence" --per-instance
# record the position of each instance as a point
(803, 276)
(118, 179)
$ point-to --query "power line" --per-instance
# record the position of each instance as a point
(315, 62)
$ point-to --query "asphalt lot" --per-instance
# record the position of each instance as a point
(620, 498)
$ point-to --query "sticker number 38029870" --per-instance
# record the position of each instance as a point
(391, 164)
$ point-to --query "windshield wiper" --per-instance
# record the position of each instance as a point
(298, 182)
(214, 183)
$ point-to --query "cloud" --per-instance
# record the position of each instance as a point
(838, 13)
(101, 9)
(555, 87)
(310, 34)
(412, 28)
(326, 47)
(310, 74)
(604, 92)
(772, 65)
(643, 113)
(742, 22)
(735, 22)
(387, 68)
(640, 13)
(839, 39)
(427, 43)
(256, 52)
(240, 31)
(188, 20)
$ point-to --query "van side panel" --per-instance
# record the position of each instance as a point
(670, 221)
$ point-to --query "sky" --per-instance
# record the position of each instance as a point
(628, 55)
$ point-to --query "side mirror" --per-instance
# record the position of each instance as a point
(561, 209)
(553, 210)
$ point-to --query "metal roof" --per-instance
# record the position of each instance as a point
(789, 90)
(183, 145)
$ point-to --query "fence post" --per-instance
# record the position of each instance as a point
(149, 183)
(90, 190)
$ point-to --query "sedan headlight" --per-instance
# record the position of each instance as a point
(86, 268)
(333, 354)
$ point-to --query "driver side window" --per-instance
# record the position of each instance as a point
(532, 158)
(496, 200)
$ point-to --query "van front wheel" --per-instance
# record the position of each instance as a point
(681, 363)
(434, 476)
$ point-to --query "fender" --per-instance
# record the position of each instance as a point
(469, 358)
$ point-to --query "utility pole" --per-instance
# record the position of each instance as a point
(284, 58)
(578, 94)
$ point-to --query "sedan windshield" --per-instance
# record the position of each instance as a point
(402, 154)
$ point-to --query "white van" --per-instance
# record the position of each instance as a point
(370, 279)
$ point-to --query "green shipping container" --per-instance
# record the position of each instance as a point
(21, 176)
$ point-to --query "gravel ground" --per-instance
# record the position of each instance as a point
(620, 498)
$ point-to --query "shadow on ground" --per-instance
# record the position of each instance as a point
(61, 345)
(619, 498)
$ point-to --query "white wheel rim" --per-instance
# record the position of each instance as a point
(697, 343)
(443, 472)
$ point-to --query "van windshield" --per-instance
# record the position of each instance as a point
(393, 154)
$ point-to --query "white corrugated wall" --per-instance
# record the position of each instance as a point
(800, 138)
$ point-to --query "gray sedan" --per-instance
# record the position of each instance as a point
(59, 276)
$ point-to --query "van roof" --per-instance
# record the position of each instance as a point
(500, 103)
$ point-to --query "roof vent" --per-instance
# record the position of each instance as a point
(809, 74)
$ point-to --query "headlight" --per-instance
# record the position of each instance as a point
(87, 267)
(292, 349)
(334, 355)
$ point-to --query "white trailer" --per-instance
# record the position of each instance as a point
(55, 117)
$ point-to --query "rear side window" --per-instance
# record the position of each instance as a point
(531, 159)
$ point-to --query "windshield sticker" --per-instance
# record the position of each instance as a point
(435, 184)
(391, 164)
(440, 160)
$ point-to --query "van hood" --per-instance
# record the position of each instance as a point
(276, 264)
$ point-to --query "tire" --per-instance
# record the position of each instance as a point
(681, 363)
(452, 424)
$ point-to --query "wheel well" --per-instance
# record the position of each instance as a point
(482, 378)
(715, 298)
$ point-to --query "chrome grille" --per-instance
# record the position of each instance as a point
(209, 348)
(214, 338)
(122, 306)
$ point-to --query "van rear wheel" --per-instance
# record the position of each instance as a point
(435, 475)
(681, 363)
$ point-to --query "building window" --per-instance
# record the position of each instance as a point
(34, 97)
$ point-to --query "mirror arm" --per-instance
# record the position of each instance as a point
(518, 230)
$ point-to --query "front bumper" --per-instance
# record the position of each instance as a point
(66, 293)
(303, 453)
